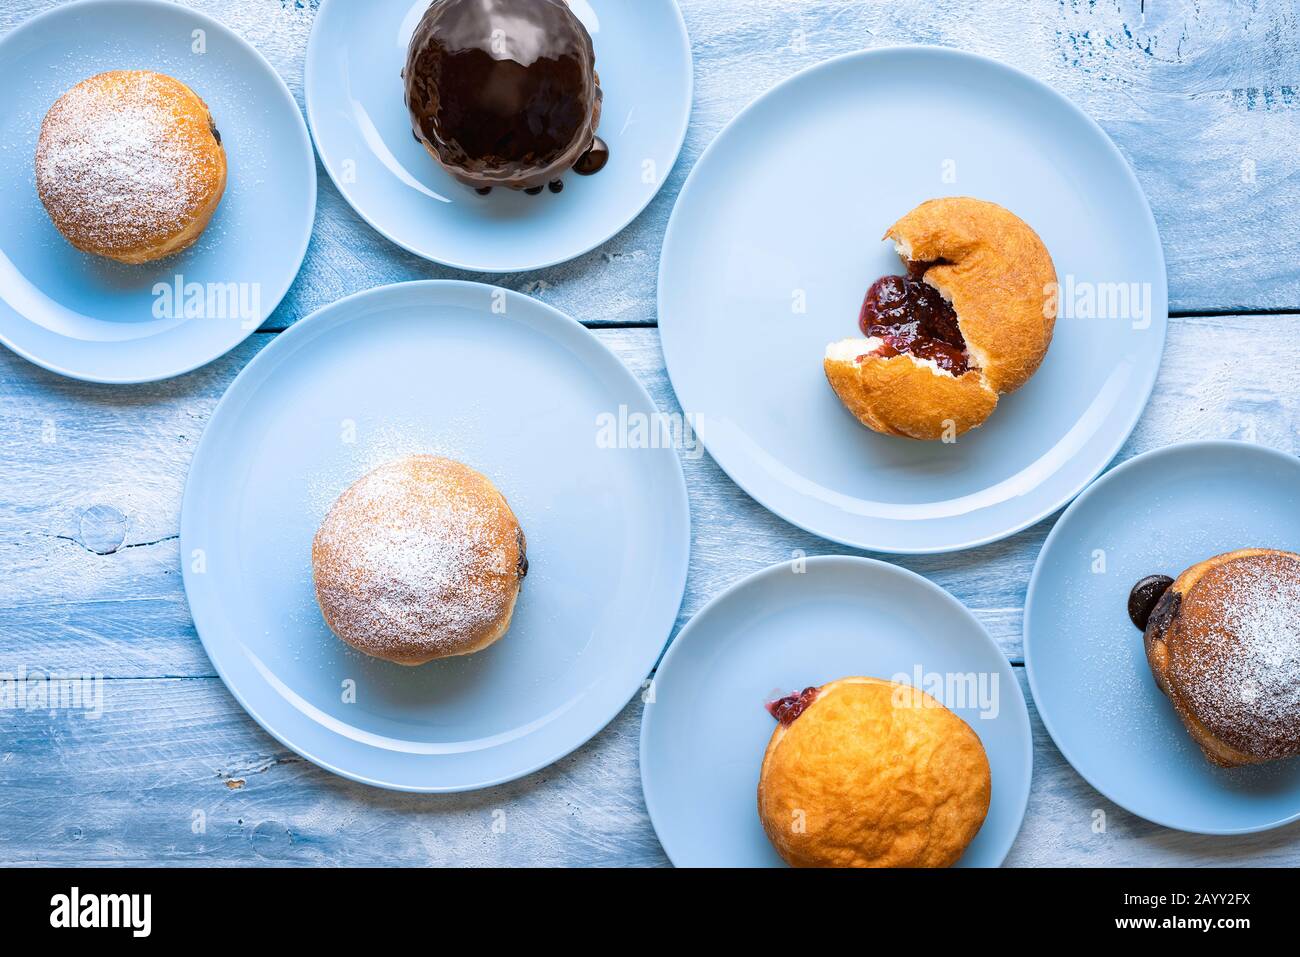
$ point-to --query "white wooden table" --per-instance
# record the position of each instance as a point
(1201, 98)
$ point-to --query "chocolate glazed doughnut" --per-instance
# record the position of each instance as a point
(505, 92)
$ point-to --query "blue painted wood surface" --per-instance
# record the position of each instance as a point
(1197, 96)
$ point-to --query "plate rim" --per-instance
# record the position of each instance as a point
(1141, 459)
(186, 366)
(984, 62)
(859, 561)
(309, 84)
(188, 508)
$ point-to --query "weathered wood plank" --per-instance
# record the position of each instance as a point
(128, 787)
(1200, 97)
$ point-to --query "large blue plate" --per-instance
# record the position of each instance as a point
(788, 627)
(776, 237)
(91, 318)
(363, 132)
(1159, 513)
(511, 387)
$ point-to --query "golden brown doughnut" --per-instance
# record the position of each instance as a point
(999, 279)
(1223, 643)
(129, 165)
(419, 559)
(863, 772)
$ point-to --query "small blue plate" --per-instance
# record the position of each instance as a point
(805, 623)
(103, 321)
(362, 129)
(775, 240)
(509, 386)
(1159, 513)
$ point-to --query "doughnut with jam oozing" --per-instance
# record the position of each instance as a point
(503, 92)
(862, 772)
(970, 321)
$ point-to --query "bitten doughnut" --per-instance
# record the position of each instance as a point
(1223, 643)
(420, 559)
(971, 321)
(129, 165)
(863, 772)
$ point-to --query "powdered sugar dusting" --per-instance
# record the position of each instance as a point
(415, 560)
(384, 442)
(113, 164)
(1245, 672)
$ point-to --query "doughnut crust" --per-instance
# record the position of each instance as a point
(130, 166)
(905, 396)
(421, 558)
(873, 774)
(998, 276)
(1223, 644)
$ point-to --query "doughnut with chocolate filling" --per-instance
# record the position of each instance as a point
(419, 559)
(1223, 643)
(863, 772)
(970, 321)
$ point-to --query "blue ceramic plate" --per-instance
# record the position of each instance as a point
(362, 129)
(509, 386)
(776, 238)
(1159, 513)
(705, 727)
(91, 318)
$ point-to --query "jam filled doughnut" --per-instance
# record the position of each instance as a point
(970, 321)
(863, 772)
(1223, 643)
(419, 559)
(505, 92)
(129, 165)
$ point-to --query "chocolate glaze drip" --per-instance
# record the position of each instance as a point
(594, 160)
(1142, 599)
(503, 92)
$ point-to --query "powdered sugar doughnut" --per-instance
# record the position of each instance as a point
(419, 559)
(1223, 643)
(130, 165)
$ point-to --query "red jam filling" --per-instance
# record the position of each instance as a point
(910, 316)
(786, 709)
